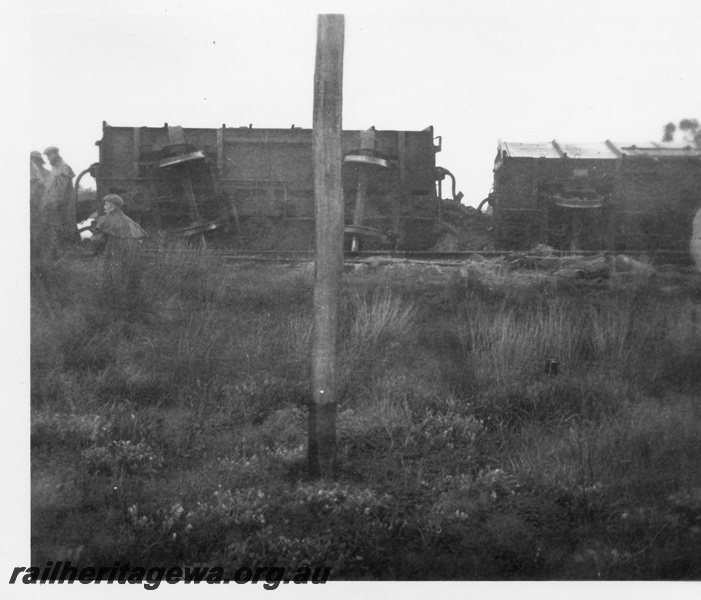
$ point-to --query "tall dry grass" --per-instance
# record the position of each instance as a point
(508, 343)
(633, 333)
(378, 316)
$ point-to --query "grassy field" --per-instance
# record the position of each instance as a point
(172, 430)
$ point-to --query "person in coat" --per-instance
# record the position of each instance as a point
(58, 204)
(121, 238)
(38, 177)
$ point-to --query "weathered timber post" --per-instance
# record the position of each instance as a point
(328, 192)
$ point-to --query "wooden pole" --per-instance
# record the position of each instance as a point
(328, 192)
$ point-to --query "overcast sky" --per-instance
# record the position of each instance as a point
(476, 71)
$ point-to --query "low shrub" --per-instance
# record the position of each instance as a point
(122, 458)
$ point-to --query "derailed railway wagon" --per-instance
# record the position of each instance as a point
(601, 196)
(254, 188)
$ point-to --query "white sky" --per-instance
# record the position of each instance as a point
(476, 71)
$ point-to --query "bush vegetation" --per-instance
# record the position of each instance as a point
(173, 430)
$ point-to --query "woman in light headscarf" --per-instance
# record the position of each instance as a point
(122, 238)
(38, 177)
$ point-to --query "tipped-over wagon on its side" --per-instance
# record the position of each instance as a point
(601, 196)
(255, 187)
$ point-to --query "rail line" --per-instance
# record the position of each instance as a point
(233, 256)
(675, 257)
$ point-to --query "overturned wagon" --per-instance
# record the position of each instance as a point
(256, 186)
(599, 196)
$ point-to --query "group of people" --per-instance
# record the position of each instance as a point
(54, 228)
(52, 204)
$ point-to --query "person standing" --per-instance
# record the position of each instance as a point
(122, 239)
(38, 176)
(59, 203)
(695, 244)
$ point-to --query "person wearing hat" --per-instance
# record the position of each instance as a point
(122, 238)
(59, 203)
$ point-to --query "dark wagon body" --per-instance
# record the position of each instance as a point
(606, 196)
(257, 185)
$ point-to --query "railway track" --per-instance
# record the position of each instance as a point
(676, 257)
(230, 256)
